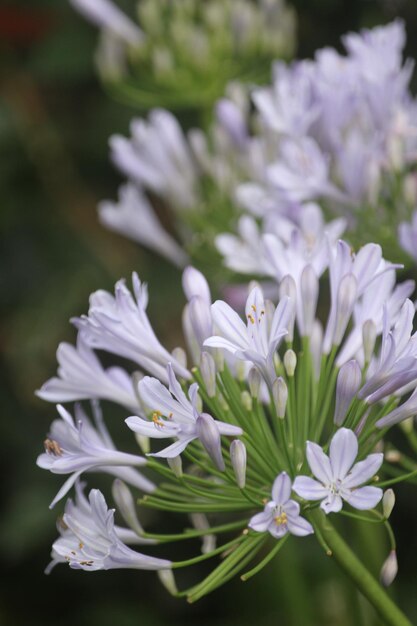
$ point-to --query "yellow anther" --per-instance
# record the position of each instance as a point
(251, 318)
(280, 520)
(253, 307)
(156, 420)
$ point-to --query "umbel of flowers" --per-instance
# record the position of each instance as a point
(339, 130)
(270, 427)
(183, 52)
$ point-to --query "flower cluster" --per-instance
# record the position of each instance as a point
(275, 422)
(182, 52)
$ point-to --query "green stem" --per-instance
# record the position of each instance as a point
(353, 567)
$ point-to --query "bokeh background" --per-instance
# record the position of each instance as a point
(55, 120)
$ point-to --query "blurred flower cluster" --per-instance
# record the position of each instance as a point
(183, 53)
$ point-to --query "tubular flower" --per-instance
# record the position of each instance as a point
(268, 430)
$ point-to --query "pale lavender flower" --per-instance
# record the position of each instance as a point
(176, 416)
(108, 16)
(396, 366)
(196, 318)
(91, 541)
(281, 515)
(288, 106)
(119, 324)
(232, 120)
(407, 236)
(158, 158)
(338, 476)
(81, 376)
(348, 383)
(257, 340)
(74, 447)
(134, 217)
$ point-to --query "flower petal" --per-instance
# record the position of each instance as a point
(299, 526)
(343, 452)
(364, 498)
(363, 471)
(332, 504)
(319, 463)
(261, 521)
(308, 488)
(281, 489)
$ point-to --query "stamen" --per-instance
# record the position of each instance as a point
(52, 447)
(156, 420)
(280, 520)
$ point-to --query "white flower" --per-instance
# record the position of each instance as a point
(119, 324)
(134, 217)
(176, 416)
(81, 376)
(90, 541)
(339, 477)
(76, 447)
(281, 515)
(258, 340)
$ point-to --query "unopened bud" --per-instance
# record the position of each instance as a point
(246, 400)
(126, 505)
(195, 284)
(180, 355)
(348, 383)
(369, 339)
(241, 370)
(280, 396)
(346, 298)
(388, 502)
(254, 382)
(309, 293)
(209, 436)
(208, 373)
(167, 578)
(200, 522)
(389, 569)
(200, 318)
(316, 345)
(287, 287)
(143, 443)
(290, 362)
(175, 463)
(238, 459)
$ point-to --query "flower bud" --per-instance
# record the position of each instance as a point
(200, 318)
(194, 284)
(246, 400)
(166, 577)
(254, 382)
(208, 373)
(346, 298)
(238, 459)
(175, 463)
(209, 436)
(287, 287)
(290, 362)
(388, 502)
(368, 338)
(126, 505)
(348, 383)
(280, 396)
(309, 293)
(316, 344)
(232, 121)
(143, 443)
(389, 569)
(180, 355)
(200, 522)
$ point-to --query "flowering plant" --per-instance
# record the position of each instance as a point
(277, 426)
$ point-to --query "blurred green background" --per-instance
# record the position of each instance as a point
(54, 124)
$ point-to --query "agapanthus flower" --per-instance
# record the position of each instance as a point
(90, 541)
(281, 514)
(76, 447)
(339, 477)
(292, 421)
